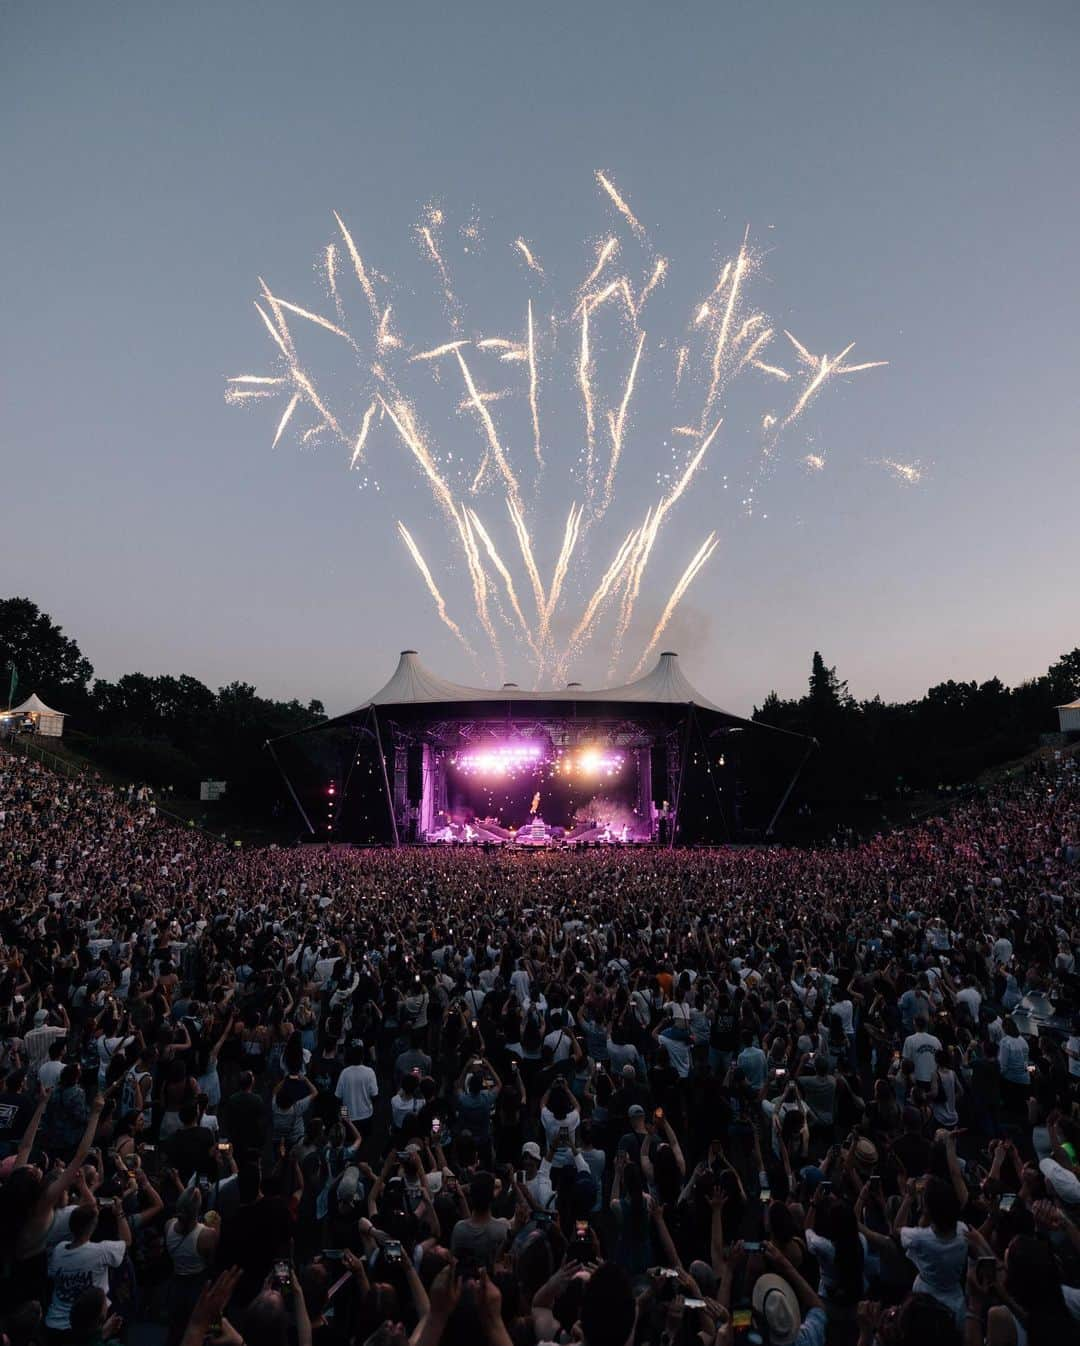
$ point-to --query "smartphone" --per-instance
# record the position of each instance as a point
(131, 1162)
(766, 1195)
(224, 1146)
(741, 1320)
(875, 1183)
(344, 1113)
(436, 1126)
(282, 1275)
(1008, 1200)
(780, 1073)
(825, 1187)
(520, 1175)
(667, 1273)
(331, 1254)
(392, 1250)
(581, 1229)
(751, 1245)
(986, 1270)
(693, 1303)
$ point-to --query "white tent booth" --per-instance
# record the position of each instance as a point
(1069, 717)
(48, 723)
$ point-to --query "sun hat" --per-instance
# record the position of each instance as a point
(776, 1303)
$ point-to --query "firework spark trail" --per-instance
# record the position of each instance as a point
(507, 579)
(308, 388)
(234, 397)
(596, 602)
(361, 439)
(440, 602)
(750, 356)
(604, 254)
(358, 266)
(647, 540)
(331, 275)
(294, 402)
(774, 370)
(620, 205)
(386, 339)
(273, 331)
(680, 364)
(569, 542)
(311, 317)
(585, 384)
(700, 558)
(659, 272)
(720, 349)
(534, 408)
(527, 253)
(480, 585)
(489, 344)
(617, 424)
(437, 352)
(402, 419)
(255, 378)
(279, 317)
(495, 448)
(525, 544)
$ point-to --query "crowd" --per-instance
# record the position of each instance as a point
(323, 1097)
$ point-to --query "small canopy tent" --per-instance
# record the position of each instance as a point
(1069, 717)
(48, 723)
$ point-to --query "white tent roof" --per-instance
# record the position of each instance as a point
(1071, 705)
(413, 684)
(33, 705)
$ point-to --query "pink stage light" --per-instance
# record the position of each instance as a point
(499, 759)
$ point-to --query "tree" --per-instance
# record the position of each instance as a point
(44, 657)
(827, 693)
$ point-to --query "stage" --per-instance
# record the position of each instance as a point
(539, 769)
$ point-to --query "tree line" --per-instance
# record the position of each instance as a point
(948, 737)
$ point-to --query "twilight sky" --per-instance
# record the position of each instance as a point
(909, 172)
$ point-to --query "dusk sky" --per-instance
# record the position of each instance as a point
(908, 174)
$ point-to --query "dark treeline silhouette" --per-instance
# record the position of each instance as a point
(949, 736)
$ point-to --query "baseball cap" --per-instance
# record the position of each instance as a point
(635, 1110)
(777, 1304)
(40, 1017)
(531, 1149)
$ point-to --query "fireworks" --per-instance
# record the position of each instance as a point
(910, 474)
(591, 342)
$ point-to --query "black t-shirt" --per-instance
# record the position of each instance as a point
(253, 1239)
(913, 1152)
(191, 1151)
(723, 1036)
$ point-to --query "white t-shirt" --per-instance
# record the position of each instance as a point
(1072, 1051)
(560, 1043)
(941, 1264)
(74, 1269)
(922, 1049)
(357, 1087)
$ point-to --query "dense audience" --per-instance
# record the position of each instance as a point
(324, 1097)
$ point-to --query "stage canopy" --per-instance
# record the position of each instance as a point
(414, 694)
